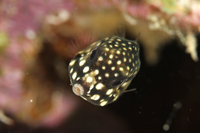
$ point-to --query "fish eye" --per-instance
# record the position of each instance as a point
(93, 54)
(116, 82)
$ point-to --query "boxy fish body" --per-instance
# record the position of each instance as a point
(103, 71)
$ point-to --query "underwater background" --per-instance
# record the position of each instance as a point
(36, 47)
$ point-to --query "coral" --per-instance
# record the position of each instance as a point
(20, 46)
(176, 18)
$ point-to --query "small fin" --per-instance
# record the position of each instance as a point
(133, 89)
(138, 36)
(80, 42)
(120, 31)
(84, 38)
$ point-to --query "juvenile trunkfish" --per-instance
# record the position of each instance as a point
(101, 72)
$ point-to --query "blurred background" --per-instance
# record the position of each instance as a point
(36, 46)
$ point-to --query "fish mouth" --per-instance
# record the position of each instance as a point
(78, 89)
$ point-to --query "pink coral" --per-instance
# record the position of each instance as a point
(26, 15)
(21, 22)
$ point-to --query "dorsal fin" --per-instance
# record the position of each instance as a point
(81, 41)
(120, 31)
(138, 36)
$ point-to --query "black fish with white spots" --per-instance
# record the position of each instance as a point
(103, 71)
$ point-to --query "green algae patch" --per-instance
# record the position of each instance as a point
(4, 41)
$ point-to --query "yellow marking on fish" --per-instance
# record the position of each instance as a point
(107, 75)
(72, 62)
(104, 67)
(100, 58)
(86, 69)
(109, 62)
(119, 62)
(108, 92)
(95, 97)
(99, 86)
(113, 68)
(82, 62)
(74, 75)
